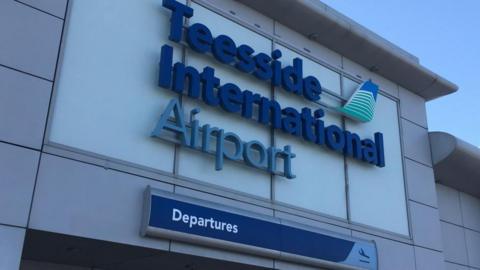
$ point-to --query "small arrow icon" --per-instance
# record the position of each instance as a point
(363, 254)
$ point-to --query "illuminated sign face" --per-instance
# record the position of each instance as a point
(203, 85)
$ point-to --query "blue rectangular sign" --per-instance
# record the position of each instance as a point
(190, 220)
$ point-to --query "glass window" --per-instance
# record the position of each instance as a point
(320, 181)
(377, 195)
(107, 99)
(349, 86)
(327, 77)
(201, 166)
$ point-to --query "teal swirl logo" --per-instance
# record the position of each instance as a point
(361, 105)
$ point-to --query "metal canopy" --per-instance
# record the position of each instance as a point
(346, 37)
(456, 163)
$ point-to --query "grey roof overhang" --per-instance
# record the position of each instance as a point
(456, 163)
(328, 27)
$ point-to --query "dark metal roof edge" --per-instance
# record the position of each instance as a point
(350, 39)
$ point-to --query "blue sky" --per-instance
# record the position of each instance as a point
(445, 36)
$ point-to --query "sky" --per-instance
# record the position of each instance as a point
(445, 36)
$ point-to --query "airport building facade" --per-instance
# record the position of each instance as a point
(222, 134)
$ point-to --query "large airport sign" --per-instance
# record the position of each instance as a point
(204, 86)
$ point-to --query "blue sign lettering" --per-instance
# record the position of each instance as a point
(227, 144)
(263, 66)
(204, 85)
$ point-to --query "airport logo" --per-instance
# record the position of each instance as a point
(361, 105)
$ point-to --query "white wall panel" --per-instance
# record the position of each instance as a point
(234, 176)
(84, 200)
(107, 99)
(377, 195)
